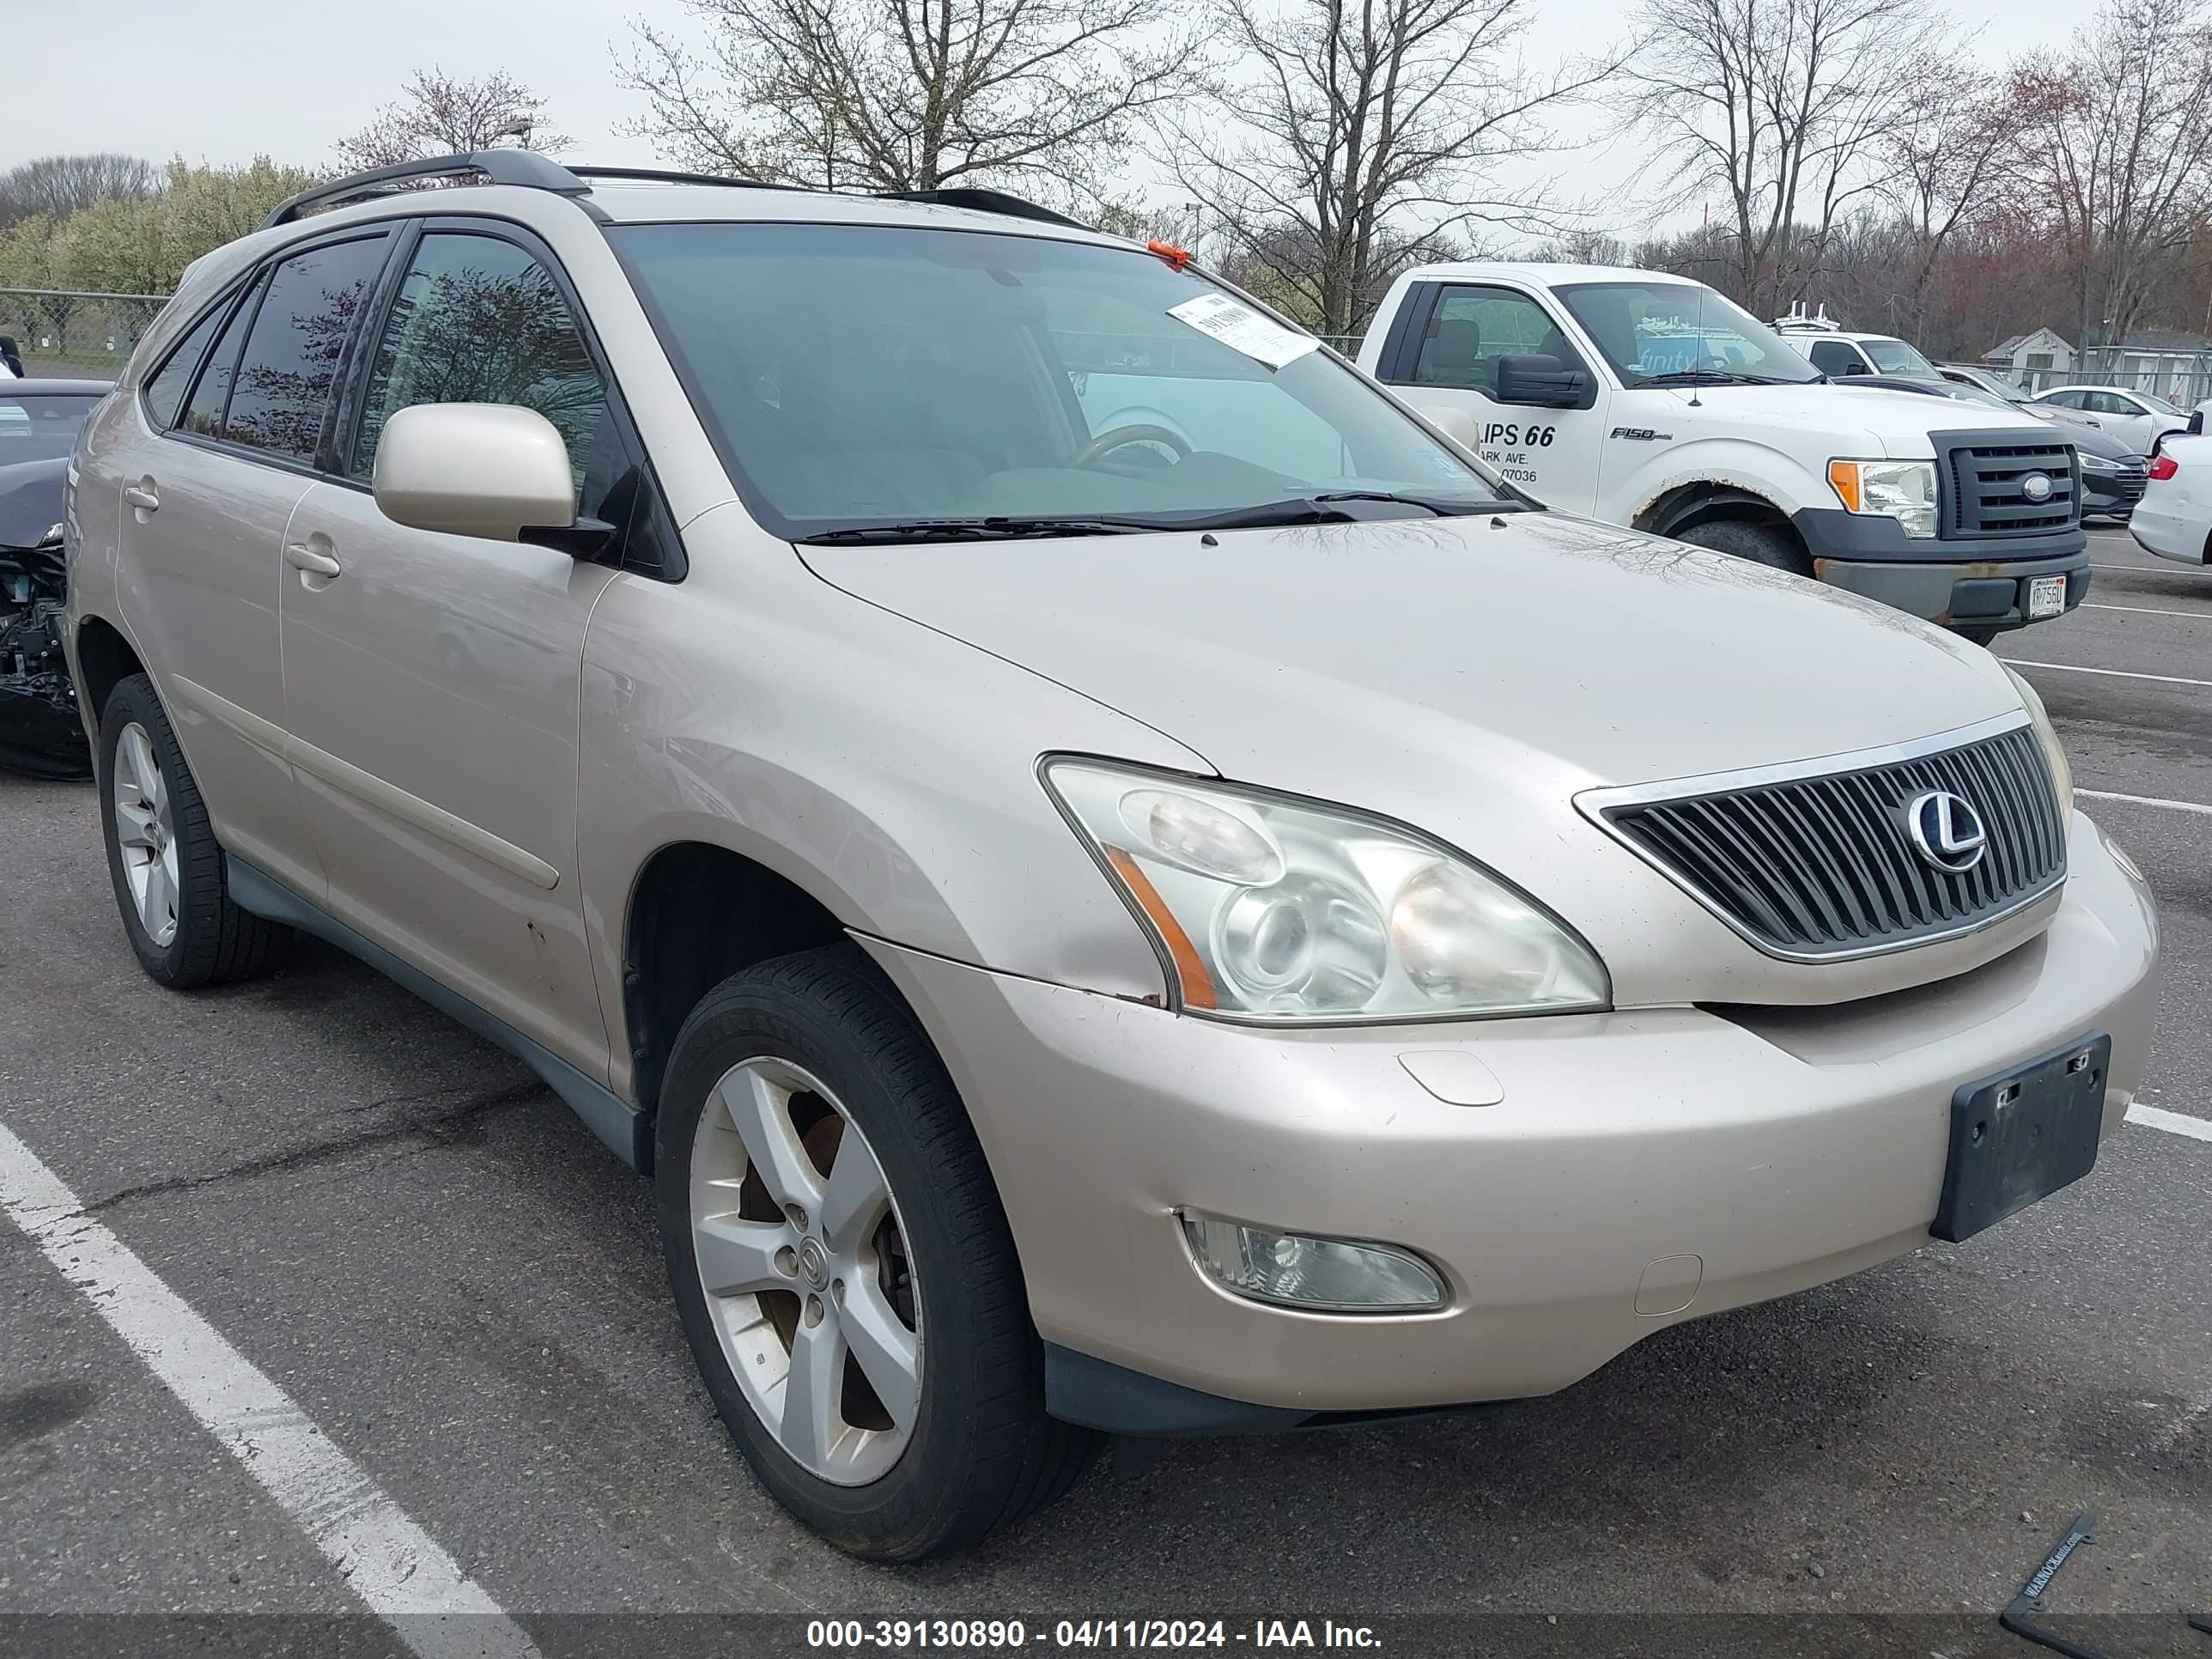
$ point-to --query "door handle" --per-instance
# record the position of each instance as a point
(300, 556)
(141, 496)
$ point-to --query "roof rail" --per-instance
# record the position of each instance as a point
(985, 201)
(497, 166)
(664, 176)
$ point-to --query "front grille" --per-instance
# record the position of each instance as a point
(1823, 867)
(2130, 483)
(1981, 479)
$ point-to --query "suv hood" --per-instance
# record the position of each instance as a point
(1897, 422)
(1470, 677)
(1314, 658)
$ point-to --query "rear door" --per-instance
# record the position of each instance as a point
(432, 681)
(221, 445)
(1447, 356)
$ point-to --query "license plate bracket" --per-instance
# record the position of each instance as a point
(2022, 1135)
(2046, 597)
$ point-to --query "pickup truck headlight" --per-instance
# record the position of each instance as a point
(2054, 756)
(1275, 910)
(1903, 491)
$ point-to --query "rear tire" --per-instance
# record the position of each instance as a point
(1759, 543)
(778, 1075)
(163, 858)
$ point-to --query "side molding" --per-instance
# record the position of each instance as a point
(628, 1132)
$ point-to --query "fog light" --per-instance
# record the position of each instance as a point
(1331, 1275)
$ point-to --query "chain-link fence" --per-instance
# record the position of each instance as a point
(64, 329)
(2186, 382)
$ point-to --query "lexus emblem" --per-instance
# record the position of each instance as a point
(2037, 488)
(1946, 831)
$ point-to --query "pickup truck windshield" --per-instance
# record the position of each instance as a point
(1656, 333)
(903, 384)
(1895, 357)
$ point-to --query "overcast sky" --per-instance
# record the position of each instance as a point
(220, 80)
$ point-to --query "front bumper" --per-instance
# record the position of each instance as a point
(1643, 1167)
(1978, 585)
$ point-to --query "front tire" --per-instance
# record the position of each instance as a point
(1757, 543)
(842, 1268)
(163, 857)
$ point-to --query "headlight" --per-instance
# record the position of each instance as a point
(1903, 491)
(2098, 464)
(2062, 775)
(1277, 910)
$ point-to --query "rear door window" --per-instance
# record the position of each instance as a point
(291, 358)
(211, 392)
(165, 389)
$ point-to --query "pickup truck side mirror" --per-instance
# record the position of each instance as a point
(1541, 380)
(1855, 368)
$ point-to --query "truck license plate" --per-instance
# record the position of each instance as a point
(2046, 597)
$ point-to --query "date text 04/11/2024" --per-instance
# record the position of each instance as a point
(1000, 1635)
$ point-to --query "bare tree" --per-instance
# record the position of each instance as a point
(1359, 136)
(2119, 140)
(1779, 106)
(57, 185)
(441, 114)
(1951, 148)
(910, 95)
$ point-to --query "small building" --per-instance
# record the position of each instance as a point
(2034, 360)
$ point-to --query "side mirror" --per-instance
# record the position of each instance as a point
(1454, 423)
(1856, 368)
(2196, 422)
(1539, 379)
(491, 471)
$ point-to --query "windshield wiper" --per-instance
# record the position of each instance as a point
(1327, 508)
(978, 530)
(1711, 376)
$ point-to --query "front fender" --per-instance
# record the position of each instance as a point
(1739, 464)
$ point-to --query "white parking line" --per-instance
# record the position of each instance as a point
(2115, 673)
(391, 1563)
(2147, 610)
(2147, 800)
(2174, 1123)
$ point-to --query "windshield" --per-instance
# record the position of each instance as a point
(2158, 405)
(908, 384)
(1895, 357)
(1653, 333)
(1974, 394)
(39, 427)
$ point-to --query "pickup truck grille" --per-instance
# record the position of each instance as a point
(1983, 485)
(1823, 867)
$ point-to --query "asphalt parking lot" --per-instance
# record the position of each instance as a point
(461, 1290)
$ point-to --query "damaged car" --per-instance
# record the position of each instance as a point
(40, 732)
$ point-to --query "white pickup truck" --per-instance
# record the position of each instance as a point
(1648, 399)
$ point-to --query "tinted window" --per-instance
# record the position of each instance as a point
(164, 390)
(203, 409)
(1473, 327)
(478, 320)
(292, 356)
(2108, 402)
(40, 428)
(1835, 357)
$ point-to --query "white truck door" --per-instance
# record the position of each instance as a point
(1443, 349)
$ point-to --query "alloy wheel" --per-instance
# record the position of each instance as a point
(145, 834)
(804, 1264)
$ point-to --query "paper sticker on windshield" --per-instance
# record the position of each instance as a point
(1242, 329)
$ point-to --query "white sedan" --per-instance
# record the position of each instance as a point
(2174, 518)
(2135, 418)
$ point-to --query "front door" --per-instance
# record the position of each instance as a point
(432, 680)
(1550, 452)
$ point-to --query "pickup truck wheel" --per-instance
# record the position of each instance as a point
(1759, 544)
(842, 1269)
(163, 857)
